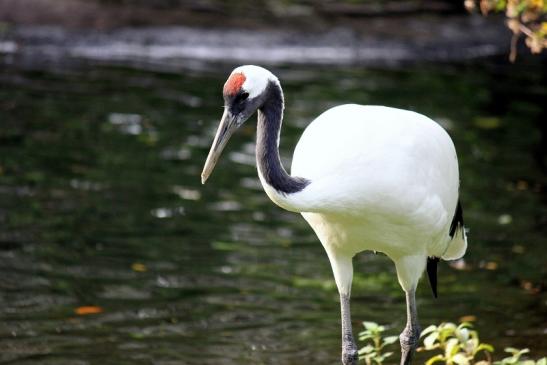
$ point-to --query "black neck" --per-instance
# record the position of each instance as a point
(270, 116)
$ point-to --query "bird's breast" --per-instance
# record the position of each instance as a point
(373, 232)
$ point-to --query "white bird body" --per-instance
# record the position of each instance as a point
(382, 179)
(364, 178)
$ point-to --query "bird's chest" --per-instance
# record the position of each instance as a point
(352, 235)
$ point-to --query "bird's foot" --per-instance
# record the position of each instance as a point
(350, 355)
(409, 340)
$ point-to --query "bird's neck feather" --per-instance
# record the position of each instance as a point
(270, 116)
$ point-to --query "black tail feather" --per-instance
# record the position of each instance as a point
(457, 221)
(432, 273)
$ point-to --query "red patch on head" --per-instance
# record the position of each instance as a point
(234, 83)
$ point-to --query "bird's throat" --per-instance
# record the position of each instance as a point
(270, 116)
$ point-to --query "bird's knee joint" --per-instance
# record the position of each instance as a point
(409, 339)
(408, 343)
(350, 356)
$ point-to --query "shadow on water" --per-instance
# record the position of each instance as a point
(102, 207)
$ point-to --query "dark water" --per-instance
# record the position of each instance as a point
(101, 205)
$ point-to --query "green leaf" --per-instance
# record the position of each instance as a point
(542, 361)
(369, 356)
(446, 330)
(452, 347)
(429, 341)
(366, 350)
(472, 345)
(500, 5)
(474, 335)
(365, 336)
(462, 334)
(434, 359)
(465, 325)
(509, 360)
(428, 330)
(487, 122)
(522, 7)
(380, 359)
(460, 359)
(370, 325)
(516, 352)
(485, 347)
(389, 340)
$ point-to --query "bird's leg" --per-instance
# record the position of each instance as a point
(342, 268)
(349, 348)
(411, 334)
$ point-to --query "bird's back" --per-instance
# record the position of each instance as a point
(386, 165)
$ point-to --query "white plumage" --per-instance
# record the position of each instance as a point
(388, 183)
(377, 178)
(384, 179)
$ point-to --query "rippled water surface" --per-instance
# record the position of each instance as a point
(102, 210)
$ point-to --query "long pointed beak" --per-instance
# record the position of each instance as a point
(225, 130)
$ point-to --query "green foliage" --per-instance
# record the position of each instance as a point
(514, 359)
(457, 344)
(373, 352)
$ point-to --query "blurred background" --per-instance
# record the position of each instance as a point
(112, 252)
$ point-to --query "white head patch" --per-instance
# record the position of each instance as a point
(256, 79)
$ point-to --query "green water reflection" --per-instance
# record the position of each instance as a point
(101, 205)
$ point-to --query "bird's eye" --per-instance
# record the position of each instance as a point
(240, 98)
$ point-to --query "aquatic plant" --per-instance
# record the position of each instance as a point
(514, 359)
(373, 351)
(457, 344)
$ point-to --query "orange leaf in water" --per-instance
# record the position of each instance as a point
(88, 309)
(468, 318)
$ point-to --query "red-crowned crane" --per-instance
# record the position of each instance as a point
(364, 178)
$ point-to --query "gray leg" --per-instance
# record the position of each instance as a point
(349, 349)
(410, 336)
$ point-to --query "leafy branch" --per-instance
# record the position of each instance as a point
(524, 17)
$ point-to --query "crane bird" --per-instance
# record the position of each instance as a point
(364, 178)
